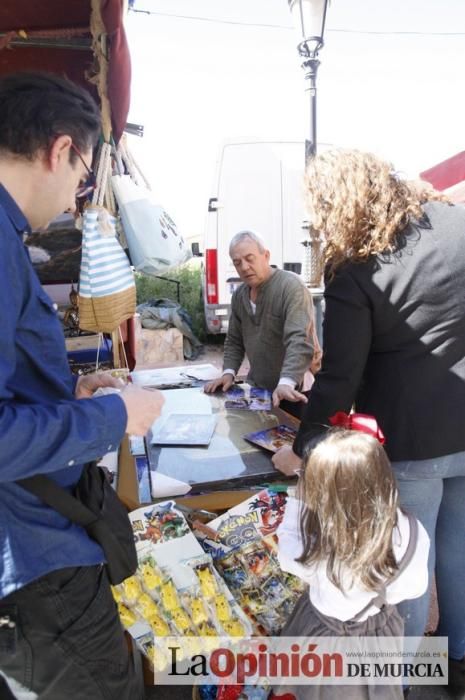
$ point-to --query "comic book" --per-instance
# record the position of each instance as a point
(251, 398)
(272, 439)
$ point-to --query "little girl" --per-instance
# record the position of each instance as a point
(358, 551)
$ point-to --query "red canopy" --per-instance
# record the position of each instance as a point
(449, 176)
(55, 36)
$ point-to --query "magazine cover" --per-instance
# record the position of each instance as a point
(158, 523)
(272, 439)
(250, 398)
(184, 429)
(243, 545)
(250, 521)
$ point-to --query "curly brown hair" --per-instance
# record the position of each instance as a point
(359, 204)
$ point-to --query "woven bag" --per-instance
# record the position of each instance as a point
(107, 292)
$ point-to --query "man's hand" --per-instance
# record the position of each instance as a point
(143, 407)
(88, 383)
(284, 391)
(221, 384)
(286, 461)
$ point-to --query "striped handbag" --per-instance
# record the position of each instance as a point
(107, 292)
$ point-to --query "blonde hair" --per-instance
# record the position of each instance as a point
(350, 510)
(359, 204)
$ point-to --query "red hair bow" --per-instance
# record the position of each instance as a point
(358, 421)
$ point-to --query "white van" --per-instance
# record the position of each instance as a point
(258, 186)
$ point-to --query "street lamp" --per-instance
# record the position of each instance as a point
(309, 19)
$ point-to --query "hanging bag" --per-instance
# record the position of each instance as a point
(154, 242)
(107, 292)
(95, 506)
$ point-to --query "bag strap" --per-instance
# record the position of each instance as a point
(59, 499)
(379, 600)
(411, 547)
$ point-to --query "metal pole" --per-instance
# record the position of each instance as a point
(310, 67)
(313, 246)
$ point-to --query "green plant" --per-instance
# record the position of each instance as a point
(190, 297)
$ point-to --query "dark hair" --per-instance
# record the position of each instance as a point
(35, 108)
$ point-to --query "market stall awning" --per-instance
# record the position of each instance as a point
(448, 176)
(56, 36)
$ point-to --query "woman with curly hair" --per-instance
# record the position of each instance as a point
(394, 347)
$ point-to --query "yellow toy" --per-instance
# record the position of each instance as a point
(169, 597)
(150, 575)
(234, 628)
(206, 629)
(198, 612)
(207, 582)
(159, 626)
(223, 610)
(146, 606)
(181, 620)
(127, 617)
(131, 589)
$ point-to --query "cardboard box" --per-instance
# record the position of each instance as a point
(158, 347)
(83, 342)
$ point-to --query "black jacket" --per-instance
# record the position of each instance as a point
(394, 341)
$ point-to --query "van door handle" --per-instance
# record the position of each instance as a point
(213, 204)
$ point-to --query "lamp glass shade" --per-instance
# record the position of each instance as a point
(309, 17)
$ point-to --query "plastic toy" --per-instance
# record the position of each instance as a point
(198, 612)
(127, 617)
(181, 620)
(131, 589)
(159, 626)
(207, 581)
(150, 575)
(206, 629)
(169, 597)
(147, 606)
(234, 628)
(223, 609)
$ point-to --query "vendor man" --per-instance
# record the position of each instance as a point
(60, 635)
(272, 322)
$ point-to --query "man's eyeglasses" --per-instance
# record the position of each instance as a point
(89, 185)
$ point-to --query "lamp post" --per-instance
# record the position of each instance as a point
(309, 19)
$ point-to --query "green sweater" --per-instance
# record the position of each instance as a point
(275, 338)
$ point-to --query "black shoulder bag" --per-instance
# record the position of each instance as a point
(95, 506)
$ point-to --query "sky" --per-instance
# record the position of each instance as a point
(391, 80)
